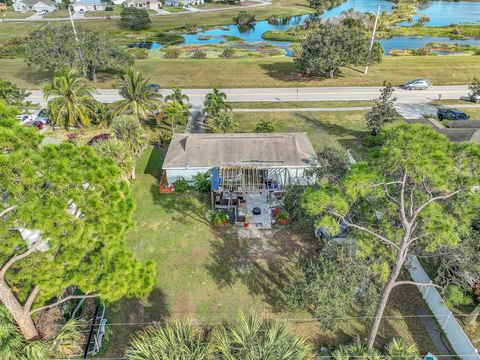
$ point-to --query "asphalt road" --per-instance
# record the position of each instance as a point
(298, 94)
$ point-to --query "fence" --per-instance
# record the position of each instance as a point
(457, 338)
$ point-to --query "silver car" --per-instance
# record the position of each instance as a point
(417, 84)
(42, 117)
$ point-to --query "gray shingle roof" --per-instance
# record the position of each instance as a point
(223, 150)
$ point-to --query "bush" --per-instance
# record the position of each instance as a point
(279, 35)
(273, 19)
(190, 28)
(244, 18)
(138, 54)
(202, 182)
(199, 54)
(181, 185)
(445, 123)
(162, 139)
(135, 19)
(264, 126)
(108, 8)
(218, 217)
(165, 38)
(228, 53)
(171, 52)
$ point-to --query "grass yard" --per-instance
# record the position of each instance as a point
(173, 9)
(299, 104)
(474, 113)
(63, 13)
(198, 274)
(117, 9)
(12, 14)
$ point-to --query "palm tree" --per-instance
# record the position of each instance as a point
(356, 352)
(223, 122)
(215, 102)
(139, 99)
(398, 349)
(257, 338)
(13, 346)
(175, 113)
(180, 341)
(128, 129)
(177, 96)
(72, 103)
(118, 151)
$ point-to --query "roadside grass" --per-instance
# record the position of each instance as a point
(345, 128)
(299, 104)
(173, 9)
(117, 9)
(10, 30)
(451, 102)
(474, 113)
(12, 14)
(62, 13)
(198, 276)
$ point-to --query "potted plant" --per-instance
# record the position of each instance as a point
(282, 218)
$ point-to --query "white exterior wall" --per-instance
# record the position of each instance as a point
(43, 7)
(187, 174)
(19, 6)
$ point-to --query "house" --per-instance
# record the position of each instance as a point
(83, 6)
(249, 172)
(118, 2)
(3, 6)
(34, 5)
(183, 3)
(143, 4)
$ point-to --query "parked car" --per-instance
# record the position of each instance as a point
(24, 118)
(475, 98)
(38, 124)
(451, 114)
(155, 87)
(42, 116)
(98, 138)
(417, 84)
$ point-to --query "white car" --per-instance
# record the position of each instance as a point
(42, 117)
(417, 84)
(25, 118)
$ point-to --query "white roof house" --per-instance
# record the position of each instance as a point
(88, 5)
(34, 5)
(143, 4)
(183, 3)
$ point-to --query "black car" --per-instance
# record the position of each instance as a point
(155, 87)
(450, 114)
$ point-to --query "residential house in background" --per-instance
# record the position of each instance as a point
(83, 6)
(38, 6)
(3, 6)
(183, 3)
(143, 4)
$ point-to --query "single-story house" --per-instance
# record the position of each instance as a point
(34, 5)
(143, 4)
(3, 6)
(183, 3)
(249, 172)
(118, 2)
(83, 6)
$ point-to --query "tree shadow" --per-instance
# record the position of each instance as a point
(128, 316)
(288, 72)
(155, 163)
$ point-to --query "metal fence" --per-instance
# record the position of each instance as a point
(453, 331)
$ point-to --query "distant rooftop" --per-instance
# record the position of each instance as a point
(242, 150)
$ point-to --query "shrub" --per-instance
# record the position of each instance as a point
(264, 126)
(228, 53)
(165, 38)
(273, 19)
(190, 28)
(108, 8)
(181, 185)
(135, 19)
(445, 123)
(171, 52)
(138, 54)
(218, 217)
(283, 215)
(202, 182)
(199, 54)
(162, 139)
(279, 35)
(244, 18)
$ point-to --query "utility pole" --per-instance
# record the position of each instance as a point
(373, 37)
(80, 55)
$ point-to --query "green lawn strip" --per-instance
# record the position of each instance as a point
(12, 14)
(172, 9)
(116, 12)
(299, 104)
(63, 13)
(474, 113)
(451, 102)
(454, 32)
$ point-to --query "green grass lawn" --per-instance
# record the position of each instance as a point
(12, 14)
(117, 9)
(299, 104)
(474, 113)
(63, 13)
(173, 9)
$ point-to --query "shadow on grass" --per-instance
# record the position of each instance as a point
(155, 163)
(128, 316)
(288, 71)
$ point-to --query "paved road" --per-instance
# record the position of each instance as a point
(298, 94)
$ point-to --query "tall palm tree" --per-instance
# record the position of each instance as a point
(256, 338)
(128, 129)
(72, 102)
(216, 102)
(177, 96)
(179, 341)
(223, 122)
(139, 99)
(120, 153)
(175, 113)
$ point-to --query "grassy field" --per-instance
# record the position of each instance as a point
(117, 9)
(63, 13)
(12, 14)
(474, 113)
(270, 72)
(299, 104)
(197, 275)
(172, 9)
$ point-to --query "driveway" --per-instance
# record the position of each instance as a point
(416, 111)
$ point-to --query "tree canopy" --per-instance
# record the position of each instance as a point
(327, 47)
(383, 111)
(11, 93)
(417, 191)
(135, 19)
(53, 47)
(80, 207)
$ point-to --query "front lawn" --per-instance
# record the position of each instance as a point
(12, 14)
(62, 13)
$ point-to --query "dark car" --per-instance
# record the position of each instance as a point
(155, 87)
(98, 138)
(451, 114)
